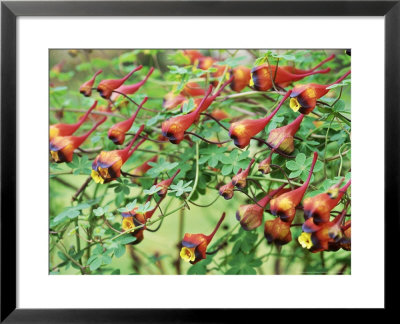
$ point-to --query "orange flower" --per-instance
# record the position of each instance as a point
(265, 165)
(292, 69)
(62, 147)
(86, 87)
(69, 129)
(106, 166)
(242, 131)
(282, 138)
(175, 127)
(219, 114)
(326, 237)
(193, 89)
(250, 216)
(317, 209)
(226, 191)
(192, 55)
(106, 87)
(239, 180)
(117, 132)
(132, 88)
(194, 246)
(241, 78)
(208, 101)
(261, 79)
(171, 101)
(205, 62)
(304, 96)
(284, 206)
(277, 231)
(133, 219)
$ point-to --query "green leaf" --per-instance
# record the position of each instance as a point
(96, 263)
(188, 106)
(292, 165)
(300, 159)
(232, 61)
(126, 239)
(99, 211)
(154, 189)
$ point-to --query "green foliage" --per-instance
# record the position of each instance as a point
(88, 235)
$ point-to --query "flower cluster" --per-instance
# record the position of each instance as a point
(264, 138)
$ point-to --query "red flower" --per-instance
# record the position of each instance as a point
(282, 138)
(261, 80)
(132, 88)
(284, 206)
(175, 127)
(226, 191)
(194, 246)
(106, 87)
(241, 78)
(205, 62)
(62, 147)
(251, 216)
(171, 101)
(242, 131)
(265, 165)
(86, 88)
(219, 114)
(192, 55)
(193, 89)
(277, 231)
(210, 99)
(107, 165)
(164, 185)
(294, 70)
(132, 219)
(317, 209)
(117, 132)
(69, 129)
(304, 96)
(326, 237)
(217, 74)
(141, 170)
(239, 180)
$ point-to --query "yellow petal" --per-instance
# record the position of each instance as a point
(54, 155)
(187, 254)
(294, 104)
(251, 83)
(96, 177)
(305, 240)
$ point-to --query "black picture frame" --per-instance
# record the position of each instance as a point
(10, 10)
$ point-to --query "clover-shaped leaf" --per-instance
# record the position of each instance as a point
(152, 190)
(128, 207)
(159, 167)
(212, 154)
(300, 167)
(234, 162)
(180, 188)
(80, 165)
(144, 208)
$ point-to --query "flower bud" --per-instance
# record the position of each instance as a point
(86, 88)
(106, 87)
(226, 191)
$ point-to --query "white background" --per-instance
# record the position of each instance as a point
(364, 288)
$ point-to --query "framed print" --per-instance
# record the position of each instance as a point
(175, 156)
